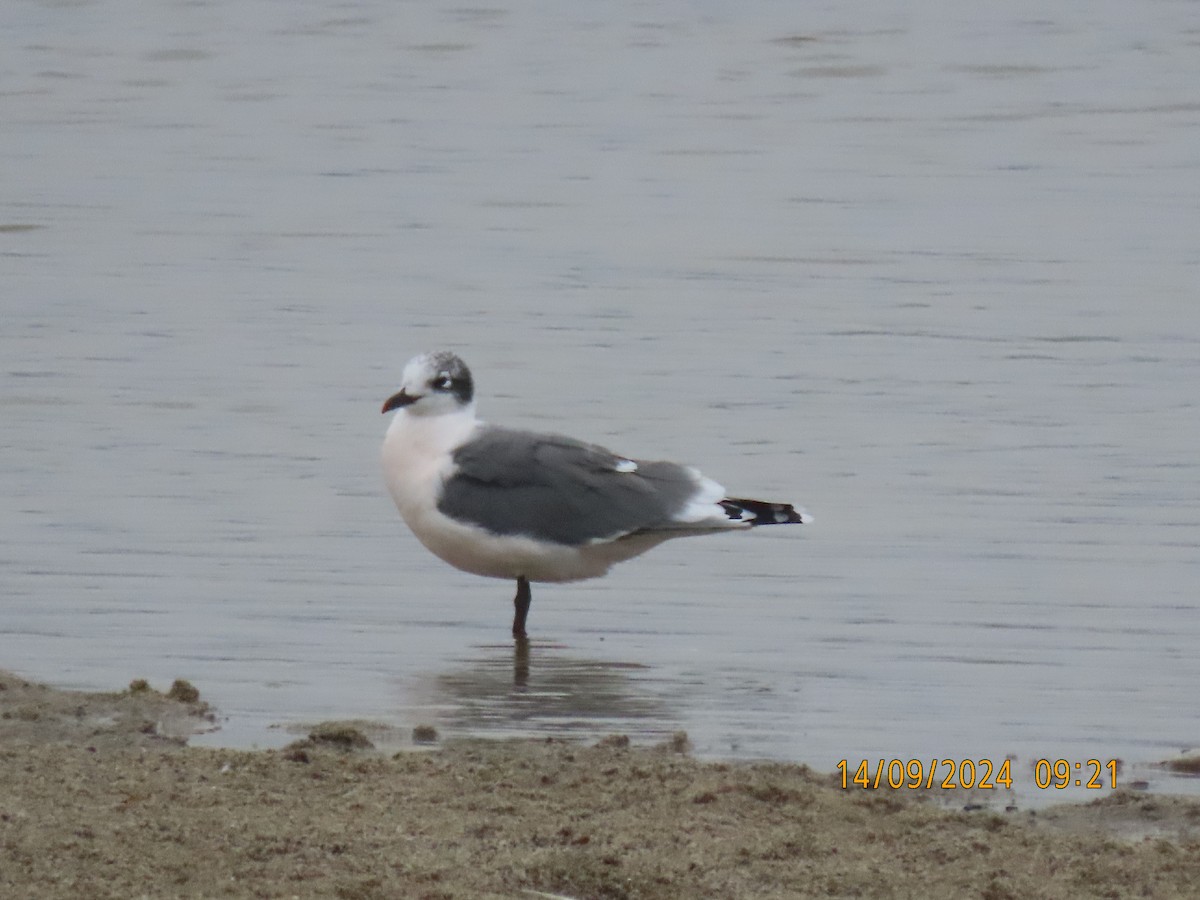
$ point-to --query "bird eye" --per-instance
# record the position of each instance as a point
(443, 382)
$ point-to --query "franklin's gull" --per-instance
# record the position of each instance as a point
(536, 507)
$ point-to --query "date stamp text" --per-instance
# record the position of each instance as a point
(974, 774)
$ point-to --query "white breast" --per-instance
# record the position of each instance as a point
(417, 457)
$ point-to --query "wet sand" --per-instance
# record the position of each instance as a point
(101, 797)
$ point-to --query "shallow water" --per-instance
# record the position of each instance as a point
(931, 275)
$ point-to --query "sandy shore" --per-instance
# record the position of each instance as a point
(101, 797)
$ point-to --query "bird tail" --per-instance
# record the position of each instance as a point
(760, 512)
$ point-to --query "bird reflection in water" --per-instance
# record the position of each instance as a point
(527, 689)
(521, 663)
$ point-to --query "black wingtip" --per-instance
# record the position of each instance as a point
(761, 512)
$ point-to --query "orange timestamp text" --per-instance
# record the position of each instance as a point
(974, 774)
(913, 774)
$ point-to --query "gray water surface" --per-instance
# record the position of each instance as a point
(932, 274)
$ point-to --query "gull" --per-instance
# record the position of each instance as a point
(515, 504)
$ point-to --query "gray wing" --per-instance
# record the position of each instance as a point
(560, 490)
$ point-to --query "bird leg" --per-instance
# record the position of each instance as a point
(521, 603)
